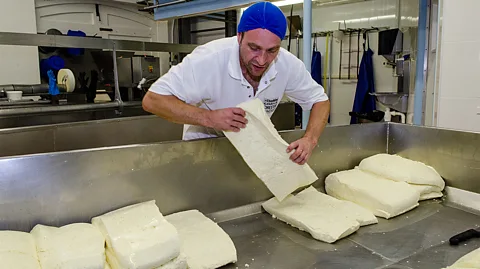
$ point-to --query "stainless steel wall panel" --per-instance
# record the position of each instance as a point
(20, 143)
(208, 175)
(454, 154)
(147, 129)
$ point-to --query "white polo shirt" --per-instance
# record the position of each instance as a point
(211, 78)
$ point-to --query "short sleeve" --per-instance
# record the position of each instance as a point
(302, 88)
(176, 81)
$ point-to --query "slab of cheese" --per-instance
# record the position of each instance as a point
(469, 261)
(138, 236)
(264, 150)
(204, 243)
(398, 168)
(325, 218)
(385, 198)
(360, 214)
(179, 262)
(78, 245)
(17, 250)
(428, 192)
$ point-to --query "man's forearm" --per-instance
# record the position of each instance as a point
(318, 120)
(173, 109)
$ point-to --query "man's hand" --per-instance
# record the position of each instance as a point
(227, 119)
(303, 150)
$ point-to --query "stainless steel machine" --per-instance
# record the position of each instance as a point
(137, 74)
(209, 175)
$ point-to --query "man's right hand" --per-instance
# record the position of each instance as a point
(227, 119)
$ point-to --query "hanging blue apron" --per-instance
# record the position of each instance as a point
(365, 102)
(317, 66)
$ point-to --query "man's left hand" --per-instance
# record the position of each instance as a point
(303, 150)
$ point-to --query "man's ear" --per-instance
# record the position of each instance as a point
(240, 37)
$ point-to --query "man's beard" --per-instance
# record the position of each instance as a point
(249, 69)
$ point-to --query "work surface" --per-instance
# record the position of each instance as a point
(417, 239)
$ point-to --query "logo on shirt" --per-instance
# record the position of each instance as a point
(270, 104)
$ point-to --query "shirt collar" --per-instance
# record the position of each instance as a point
(235, 71)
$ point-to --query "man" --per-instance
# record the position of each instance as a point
(203, 91)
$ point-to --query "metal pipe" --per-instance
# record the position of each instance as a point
(118, 97)
(65, 108)
(349, 54)
(330, 66)
(307, 48)
(422, 48)
(358, 53)
(341, 54)
(35, 89)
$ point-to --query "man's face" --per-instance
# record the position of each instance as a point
(258, 48)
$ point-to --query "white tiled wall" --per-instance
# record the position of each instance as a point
(459, 90)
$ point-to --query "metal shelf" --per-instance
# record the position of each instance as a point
(41, 40)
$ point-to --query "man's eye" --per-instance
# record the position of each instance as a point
(254, 48)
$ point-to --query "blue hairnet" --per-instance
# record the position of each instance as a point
(264, 15)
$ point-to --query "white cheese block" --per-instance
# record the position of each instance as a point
(10, 260)
(360, 214)
(325, 218)
(469, 261)
(179, 262)
(428, 192)
(264, 150)
(431, 195)
(398, 168)
(385, 198)
(78, 245)
(204, 243)
(139, 236)
(18, 250)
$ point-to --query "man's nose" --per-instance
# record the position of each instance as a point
(262, 58)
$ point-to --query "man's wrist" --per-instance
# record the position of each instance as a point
(312, 138)
(205, 118)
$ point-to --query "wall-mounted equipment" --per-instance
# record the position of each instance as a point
(137, 72)
(391, 47)
(397, 46)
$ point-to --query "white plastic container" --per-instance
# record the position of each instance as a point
(14, 95)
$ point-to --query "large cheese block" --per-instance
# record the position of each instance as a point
(351, 210)
(78, 245)
(138, 236)
(18, 250)
(469, 261)
(385, 198)
(204, 243)
(264, 150)
(401, 169)
(325, 218)
(179, 262)
(428, 192)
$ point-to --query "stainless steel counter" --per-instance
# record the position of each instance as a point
(209, 175)
(415, 240)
